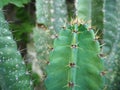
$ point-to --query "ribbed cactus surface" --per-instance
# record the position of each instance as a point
(13, 74)
(74, 61)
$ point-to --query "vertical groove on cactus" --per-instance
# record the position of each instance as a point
(83, 9)
(111, 37)
(12, 69)
(70, 9)
(74, 62)
(97, 14)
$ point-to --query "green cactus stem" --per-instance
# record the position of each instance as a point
(13, 74)
(110, 37)
(74, 62)
(116, 80)
(83, 9)
(97, 14)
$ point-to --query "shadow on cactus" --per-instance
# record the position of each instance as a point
(75, 63)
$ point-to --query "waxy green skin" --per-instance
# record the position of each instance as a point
(12, 68)
(52, 19)
(82, 10)
(51, 13)
(74, 62)
(97, 14)
(117, 64)
(111, 39)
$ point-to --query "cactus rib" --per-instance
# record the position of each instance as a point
(74, 61)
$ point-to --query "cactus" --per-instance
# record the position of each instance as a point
(12, 69)
(42, 40)
(97, 14)
(110, 37)
(82, 10)
(58, 14)
(74, 62)
(42, 11)
(51, 13)
(116, 82)
(49, 20)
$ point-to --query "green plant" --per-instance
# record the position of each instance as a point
(54, 16)
(97, 14)
(48, 23)
(23, 25)
(74, 61)
(13, 74)
(82, 10)
(115, 84)
(111, 39)
(15, 2)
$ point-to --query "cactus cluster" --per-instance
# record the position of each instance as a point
(74, 61)
(70, 59)
(13, 73)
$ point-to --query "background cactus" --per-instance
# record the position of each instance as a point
(82, 10)
(13, 74)
(74, 62)
(110, 37)
(54, 15)
(51, 15)
(116, 83)
(48, 23)
(97, 14)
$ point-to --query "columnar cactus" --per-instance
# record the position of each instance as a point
(50, 17)
(97, 14)
(74, 61)
(116, 82)
(51, 13)
(83, 9)
(110, 37)
(58, 14)
(13, 74)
